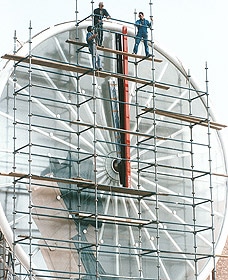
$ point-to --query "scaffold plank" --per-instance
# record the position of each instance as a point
(70, 41)
(220, 174)
(82, 183)
(186, 118)
(80, 69)
(114, 219)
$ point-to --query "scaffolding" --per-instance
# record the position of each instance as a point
(98, 198)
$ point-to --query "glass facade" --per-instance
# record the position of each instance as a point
(60, 132)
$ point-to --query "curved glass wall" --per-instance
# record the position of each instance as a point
(59, 124)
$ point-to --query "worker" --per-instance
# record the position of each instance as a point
(90, 38)
(99, 14)
(142, 24)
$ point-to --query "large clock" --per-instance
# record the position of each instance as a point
(63, 188)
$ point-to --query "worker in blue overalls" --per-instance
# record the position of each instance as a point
(142, 24)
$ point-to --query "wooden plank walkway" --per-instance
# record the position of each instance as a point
(83, 184)
(142, 57)
(80, 69)
(186, 118)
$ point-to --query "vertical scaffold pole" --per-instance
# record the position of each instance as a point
(76, 20)
(192, 179)
(30, 149)
(79, 235)
(155, 148)
(137, 120)
(210, 179)
(14, 157)
(95, 163)
(138, 164)
(77, 94)
(94, 41)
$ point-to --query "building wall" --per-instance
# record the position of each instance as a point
(222, 265)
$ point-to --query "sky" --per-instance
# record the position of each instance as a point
(194, 31)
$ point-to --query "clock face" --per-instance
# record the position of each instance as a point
(63, 124)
